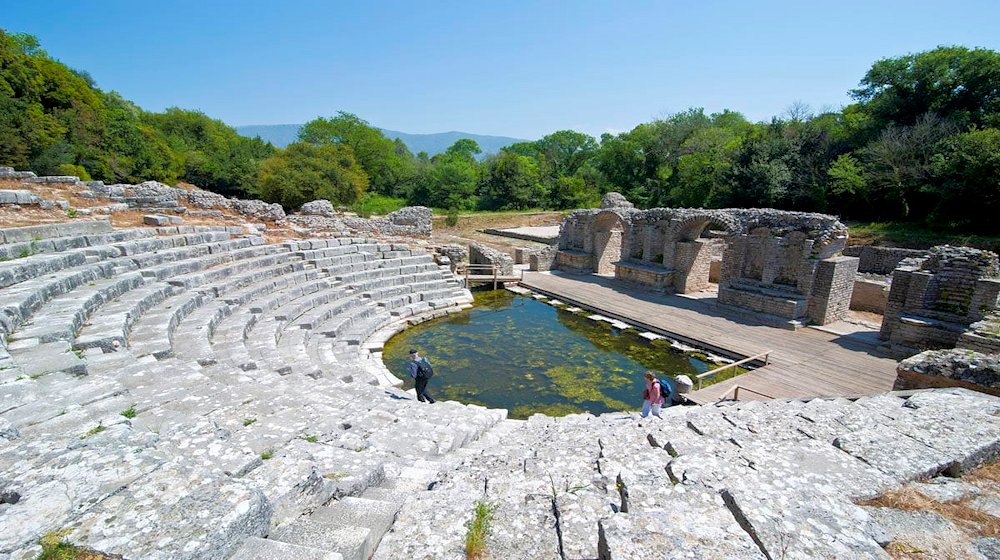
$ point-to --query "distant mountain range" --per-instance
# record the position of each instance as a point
(282, 135)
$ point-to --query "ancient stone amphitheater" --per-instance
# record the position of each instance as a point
(195, 392)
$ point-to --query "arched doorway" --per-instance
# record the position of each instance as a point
(609, 235)
(698, 251)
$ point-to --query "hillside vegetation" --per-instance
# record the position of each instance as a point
(921, 144)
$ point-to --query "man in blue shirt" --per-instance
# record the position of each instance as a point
(421, 372)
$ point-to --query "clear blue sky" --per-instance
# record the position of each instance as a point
(519, 69)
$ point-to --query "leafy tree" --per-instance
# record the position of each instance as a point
(968, 187)
(303, 172)
(957, 83)
(511, 182)
(575, 192)
(899, 167)
(389, 168)
(212, 154)
(464, 148)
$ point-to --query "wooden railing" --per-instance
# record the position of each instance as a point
(492, 274)
(735, 390)
(765, 355)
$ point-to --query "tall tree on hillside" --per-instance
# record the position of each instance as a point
(389, 168)
(213, 155)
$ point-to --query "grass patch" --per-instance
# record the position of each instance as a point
(267, 454)
(56, 547)
(479, 530)
(973, 520)
(129, 412)
(248, 421)
(311, 439)
(95, 430)
(377, 204)
(915, 236)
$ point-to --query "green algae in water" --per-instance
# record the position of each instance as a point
(515, 352)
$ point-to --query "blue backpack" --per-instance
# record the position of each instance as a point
(667, 390)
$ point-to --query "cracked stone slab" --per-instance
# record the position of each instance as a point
(175, 513)
(893, 453)
(674, 535)
(802, 525)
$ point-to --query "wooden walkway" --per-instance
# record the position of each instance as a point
(804, 363)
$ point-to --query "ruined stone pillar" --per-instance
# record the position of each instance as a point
(692, 262)
(832, 287)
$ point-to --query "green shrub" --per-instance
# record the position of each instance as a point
(381, 205)
(451, 219)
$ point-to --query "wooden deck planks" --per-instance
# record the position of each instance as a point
(804, 363)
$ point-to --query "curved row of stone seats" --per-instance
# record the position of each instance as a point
(36, 279)
(113, 323)
(746, 480)
(250, 453)
(41, 340)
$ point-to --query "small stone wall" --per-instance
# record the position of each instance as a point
(881, 260)
(574, 261)
(870, 294)
(950, 368)
(651, 277)
(501, 262)
(542, 260)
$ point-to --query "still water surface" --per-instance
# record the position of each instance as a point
(514, 352)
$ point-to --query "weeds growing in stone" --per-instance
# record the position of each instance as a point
(56, 547)
(311, 439)
(248, 421)
(129, 412)
(95, 430)
(267, 454)
(479, 530)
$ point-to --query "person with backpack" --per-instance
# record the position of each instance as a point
(653, 395)
(421, 372)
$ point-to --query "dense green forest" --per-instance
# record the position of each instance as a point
(920, 143)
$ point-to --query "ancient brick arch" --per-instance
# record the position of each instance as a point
(692, 228)
(784, 265)
(609, 233)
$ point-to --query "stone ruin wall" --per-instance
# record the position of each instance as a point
(881, 260)
(943, 301)
(501, 262)
(156, 197)
(776, 263)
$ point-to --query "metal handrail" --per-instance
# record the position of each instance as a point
(765, 355)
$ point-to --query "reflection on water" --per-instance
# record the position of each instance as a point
(517, 353)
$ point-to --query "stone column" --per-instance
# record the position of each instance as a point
(831, 294)
(692, 261)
